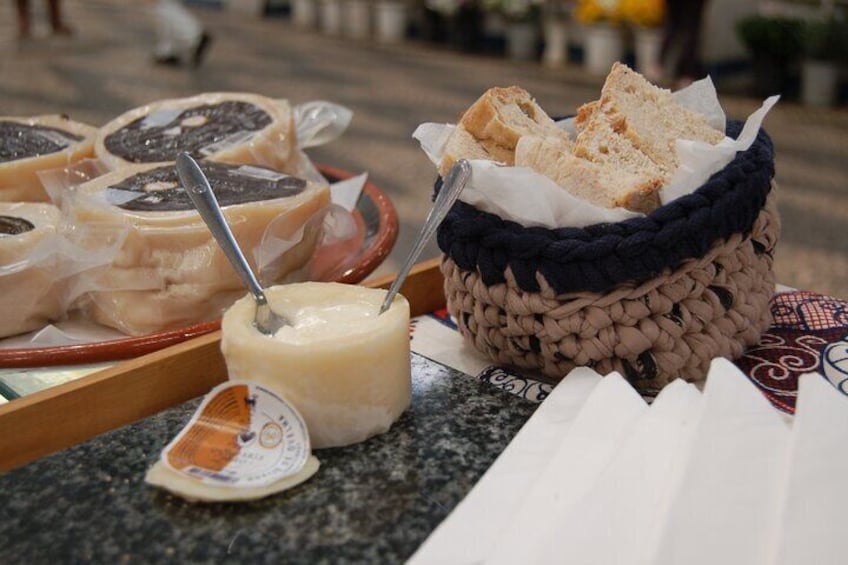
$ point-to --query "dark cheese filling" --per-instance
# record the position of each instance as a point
(199, 131)
(12, 225)
(21, 141)
(159, 190)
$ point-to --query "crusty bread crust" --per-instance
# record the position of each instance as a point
(501, 116)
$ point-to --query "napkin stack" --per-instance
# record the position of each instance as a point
(598, 476)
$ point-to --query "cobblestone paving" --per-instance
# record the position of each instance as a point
(106, 69)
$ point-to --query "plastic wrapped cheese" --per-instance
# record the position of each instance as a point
(31, 145)
(170, 272)
(29, 295)
(235, 128)
(345, 367)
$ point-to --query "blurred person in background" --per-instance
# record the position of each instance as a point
(54, 11)
(180, 37)
(681, 49)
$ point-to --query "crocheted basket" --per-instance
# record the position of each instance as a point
(654, 298)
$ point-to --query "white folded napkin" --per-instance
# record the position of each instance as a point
(609, 415)
(725, 506)
(467, 535)
(812, 526)
(613, 521)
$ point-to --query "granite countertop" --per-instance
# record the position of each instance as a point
(374, 502)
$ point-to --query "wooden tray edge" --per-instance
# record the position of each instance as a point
(61, 416)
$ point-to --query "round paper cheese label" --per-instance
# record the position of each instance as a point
(242, 435)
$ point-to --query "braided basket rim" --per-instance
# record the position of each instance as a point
(600, 257)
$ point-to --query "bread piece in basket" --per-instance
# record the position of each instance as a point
(646, 116)
(491, 127)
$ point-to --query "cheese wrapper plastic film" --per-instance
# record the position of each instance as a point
(169, 271)
(29, 145)
(40, 256)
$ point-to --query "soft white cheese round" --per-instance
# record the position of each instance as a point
(345, 367)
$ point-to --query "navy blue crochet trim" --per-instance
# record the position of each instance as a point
(602, 256)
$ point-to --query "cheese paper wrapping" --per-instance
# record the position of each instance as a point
(531, 199)
(243, 442)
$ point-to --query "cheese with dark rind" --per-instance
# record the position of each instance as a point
(29, 290)
(29, 145)
(169, 271)
(237, 128)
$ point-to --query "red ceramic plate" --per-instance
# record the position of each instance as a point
(375, 214)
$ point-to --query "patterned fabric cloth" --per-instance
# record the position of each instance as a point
(809, 334)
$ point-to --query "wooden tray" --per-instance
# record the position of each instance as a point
(59, 417)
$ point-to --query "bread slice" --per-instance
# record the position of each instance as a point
(649, 117)
(584, 113)
(501, 116)
(461, 145)
(600, 184)
(600, 143)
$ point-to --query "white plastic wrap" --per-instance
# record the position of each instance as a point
(531, 199)
(39, 268)
(28, 261)
(54, 141)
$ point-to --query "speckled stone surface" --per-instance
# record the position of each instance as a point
(375, 502)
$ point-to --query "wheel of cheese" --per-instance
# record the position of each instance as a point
(169, 271)
(225, 127)
(344, 367)
(30, 145)
(28, 296)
